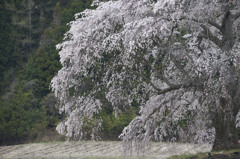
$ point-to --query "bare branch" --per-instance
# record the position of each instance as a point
(175, 87)
(219, 27)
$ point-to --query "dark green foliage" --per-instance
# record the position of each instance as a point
(22, 23)
(238, 132)
(19, 117)
(51, 113)
(113, 125)
(6, 45)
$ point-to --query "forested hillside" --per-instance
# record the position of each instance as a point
(30, 29)
(29, 33)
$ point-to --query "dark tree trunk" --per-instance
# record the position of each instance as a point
(224, 119)
(226, 136)
(225, 127)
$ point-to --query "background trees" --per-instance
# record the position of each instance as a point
(28, 60)
(179, 66)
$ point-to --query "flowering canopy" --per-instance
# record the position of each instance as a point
(179, 59)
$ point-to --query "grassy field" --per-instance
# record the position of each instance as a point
(96, 150)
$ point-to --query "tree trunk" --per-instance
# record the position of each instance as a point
(225, 128)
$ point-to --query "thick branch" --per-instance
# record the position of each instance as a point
(159, 91)
(185, 73)
(219, 27)
(165, 80)
(209, 35)
(175, 87)
(158, 108)
(237, 16)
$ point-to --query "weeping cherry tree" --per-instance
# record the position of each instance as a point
(178, 59)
